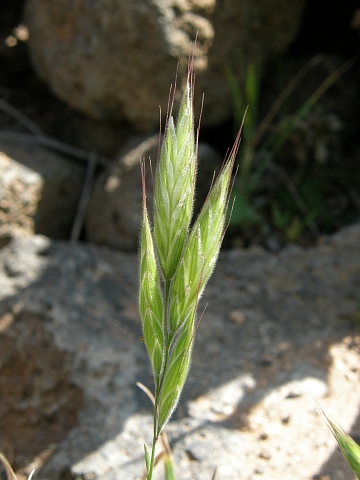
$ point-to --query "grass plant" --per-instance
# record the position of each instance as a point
(263, 140)
(177, 259)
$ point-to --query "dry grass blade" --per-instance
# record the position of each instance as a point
(20, 117)
(9, 471)
(85, 198)
(214, 474)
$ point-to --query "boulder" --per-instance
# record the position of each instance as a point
(39, 191)
(115, 208)
(278, 332)
(114, 59)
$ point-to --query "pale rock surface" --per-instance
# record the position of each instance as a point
(39, 191)
(247, 407)
(115, 59)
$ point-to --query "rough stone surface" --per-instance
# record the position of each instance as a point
(116, 59)
(114, 212)
(39, 402)
(278, 331)
(39, 191)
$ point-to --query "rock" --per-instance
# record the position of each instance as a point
(114, 212)
(34, 370)
(100, 136)
(114, 59)
(39, 191)
(76, 305)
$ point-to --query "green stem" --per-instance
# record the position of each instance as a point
(150, 475)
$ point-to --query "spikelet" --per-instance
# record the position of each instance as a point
(349, 448)
(175, 186)
(150, 298)
(176, 261)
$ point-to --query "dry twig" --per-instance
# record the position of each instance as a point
(85, 197)
(52, 144)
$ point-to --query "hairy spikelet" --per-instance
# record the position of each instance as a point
(150, 299)
(176, 261)
(349, 448)
(175, 187)
(201, 251)
(177, 370)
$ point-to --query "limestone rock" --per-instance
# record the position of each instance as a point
(39, 191)
(246, 407)
(115, 209)
(114, 59)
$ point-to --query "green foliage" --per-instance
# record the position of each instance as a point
(245, 95)
(261, 143)
(355, 317)
(289, 219)
(176, 262)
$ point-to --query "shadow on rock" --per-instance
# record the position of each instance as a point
(277, 331)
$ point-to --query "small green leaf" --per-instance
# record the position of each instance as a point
(147, 457)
